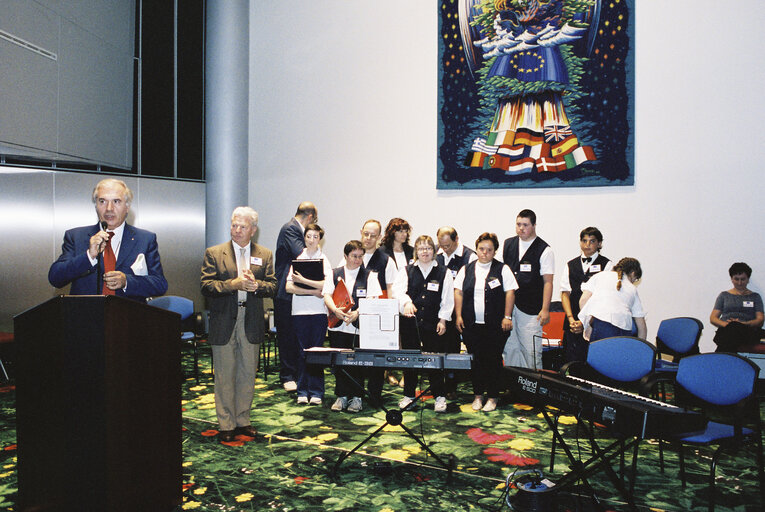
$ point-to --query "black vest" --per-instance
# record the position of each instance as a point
(427, 302)
(457, 262)
(494, 298)
(530, 292)
(360, 284)
(576, 277)
(408, 253)
(378, 263)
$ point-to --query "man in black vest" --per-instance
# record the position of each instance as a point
(578, 271)
(533, 263)
(453, 255)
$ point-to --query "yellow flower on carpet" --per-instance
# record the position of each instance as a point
(244, 497)
(500, 485)
(386, 509)
(401, 455)
(190, 505)
(206, 406)
(522, 407)
(184, 402)
(392, 428)
(329, 436)
(287, 464)
(412, 448)
(209, 398)
(567, 420)
(266, 394)
(197, 388)
(260, 386)
(186, 464)
(325, 427)
(200, 490)
(521, 444)
(8, 466)
(467, 408)
(3, 475)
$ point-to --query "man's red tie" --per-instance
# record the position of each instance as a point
(110, 262)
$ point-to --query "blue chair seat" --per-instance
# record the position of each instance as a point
(714, 432)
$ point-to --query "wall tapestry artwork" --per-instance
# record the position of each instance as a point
(536, 93)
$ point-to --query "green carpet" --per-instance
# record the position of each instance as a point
(289, 466)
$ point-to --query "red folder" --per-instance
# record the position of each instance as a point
(342, 300)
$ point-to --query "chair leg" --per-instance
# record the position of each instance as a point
(552, 450)
(5, 374)
(681, 455)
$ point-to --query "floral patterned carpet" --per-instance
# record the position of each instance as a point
(288, 467)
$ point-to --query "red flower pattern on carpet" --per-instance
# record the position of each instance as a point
(301, 479)
(509, 459)
(10, 447)
(209, 433)
(481, 437)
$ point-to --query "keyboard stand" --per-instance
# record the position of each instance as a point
(394, 417)
(601, 459)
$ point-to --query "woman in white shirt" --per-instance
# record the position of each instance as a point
(610, 303)
(309, 316)
(425, 291)
(484, 296)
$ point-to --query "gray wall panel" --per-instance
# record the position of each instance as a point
(36, 207)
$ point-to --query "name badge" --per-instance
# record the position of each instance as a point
(411, 261)
(361, 292)
(254, 260)
(432, 287)
(748, 303)
(494, 283)
(594, 268)
(454, 273)
(525, 267)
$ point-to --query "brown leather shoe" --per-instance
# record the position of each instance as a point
(226, 436)
(249, 431)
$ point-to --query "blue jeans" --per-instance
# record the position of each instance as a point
(601, 329)
(310, 331)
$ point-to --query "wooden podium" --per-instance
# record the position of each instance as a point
(98, 393)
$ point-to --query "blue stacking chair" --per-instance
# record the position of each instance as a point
(722, 387)
(622, 362)
(189, 320)
(677, 337)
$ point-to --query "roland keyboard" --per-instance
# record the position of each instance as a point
(625, 413)
(390, 359)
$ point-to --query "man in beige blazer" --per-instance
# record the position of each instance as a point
(236, 275)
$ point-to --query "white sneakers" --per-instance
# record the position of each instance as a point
(477, 403)
(405, 402)
(355, 405)
(315, 400)
(491, 404)
(302, 400)
(340, 404)
(440, 404)
(290, 386)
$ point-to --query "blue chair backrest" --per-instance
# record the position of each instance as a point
(718, 378)
(622, 358)
(680, 334)
(180, 305)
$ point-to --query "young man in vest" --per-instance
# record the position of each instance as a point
(360, 284)
(578, 271)
(453, 255)
(533, 264)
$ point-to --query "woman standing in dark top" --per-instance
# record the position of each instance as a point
(395, 242)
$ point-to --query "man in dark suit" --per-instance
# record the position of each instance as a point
(111, 257)
(236, 275)
(289, 244)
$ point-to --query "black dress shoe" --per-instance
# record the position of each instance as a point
(226, 436)
(249, 431)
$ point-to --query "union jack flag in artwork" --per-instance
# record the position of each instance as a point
(557, 132)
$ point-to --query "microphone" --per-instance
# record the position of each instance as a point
(99, 262)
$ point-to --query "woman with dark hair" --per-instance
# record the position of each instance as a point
(395, 242)
(610, 303)
(484, 296)
(309, 316)
(425, 291)
(738, 313)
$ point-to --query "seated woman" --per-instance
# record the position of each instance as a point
(610, 305)
(738, 313)
(309, 316)
(395, 242)
(425, 291)
(484, 295)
